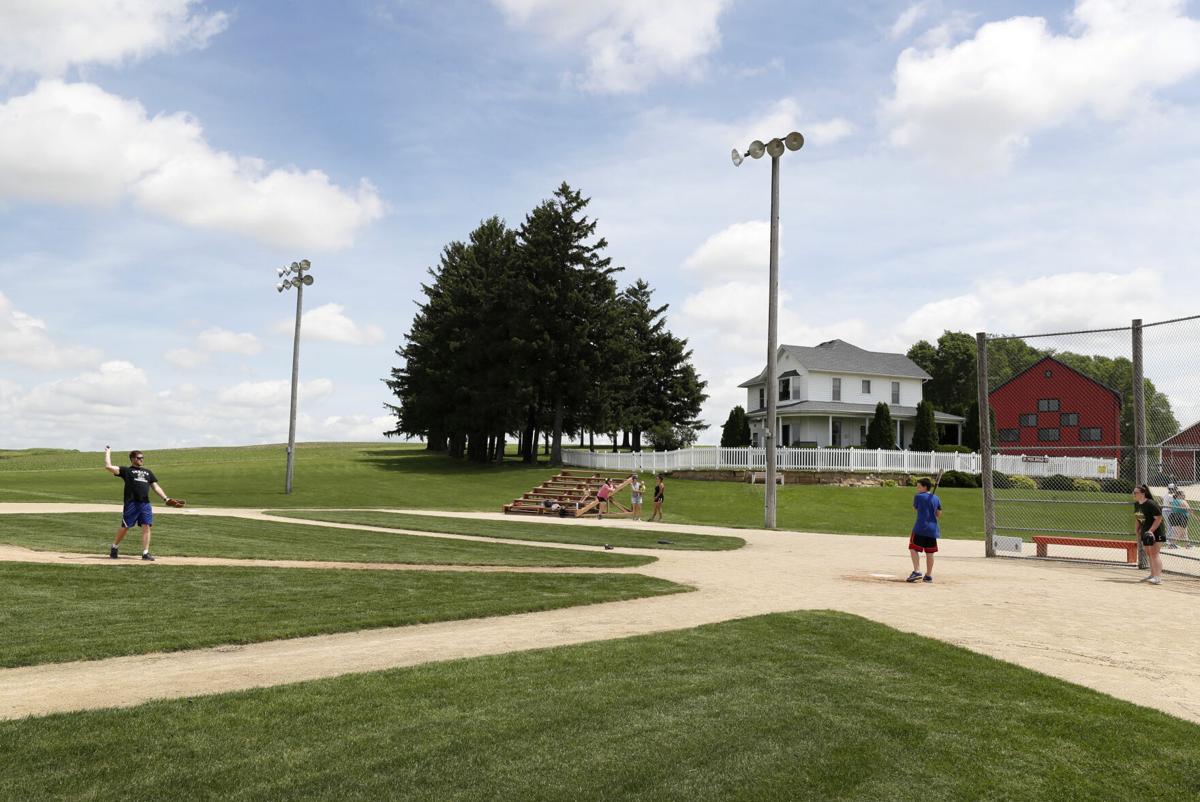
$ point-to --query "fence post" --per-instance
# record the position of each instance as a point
(1140, 452)
(985, 444)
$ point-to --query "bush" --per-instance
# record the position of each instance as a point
(1001, 481)
(959, 479)
(888, 483)
(955, 449)
(1021, 482)
(1055, 482)
(1086, 486)
(1115, 484)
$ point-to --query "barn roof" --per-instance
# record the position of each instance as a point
(1059, 362)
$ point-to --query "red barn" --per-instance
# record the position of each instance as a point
(1181, 454)
(1052, 409)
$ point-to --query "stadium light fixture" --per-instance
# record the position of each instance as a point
(775, 148)
(300, 281)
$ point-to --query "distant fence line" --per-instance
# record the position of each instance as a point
(855, 460)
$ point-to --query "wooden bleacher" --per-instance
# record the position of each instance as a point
(575, 491)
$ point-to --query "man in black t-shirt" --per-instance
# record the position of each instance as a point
(139, 480)
(1150, 532)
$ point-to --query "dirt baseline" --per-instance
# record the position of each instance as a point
(1085, 624)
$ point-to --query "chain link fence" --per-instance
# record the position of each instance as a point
(1127, 397)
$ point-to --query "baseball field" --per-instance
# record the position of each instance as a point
(383, 633)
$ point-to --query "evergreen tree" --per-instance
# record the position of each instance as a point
(736, 430)
(882, 432)
(925, 432)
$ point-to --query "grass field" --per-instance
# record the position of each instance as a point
(52, 613)
(782, 707)
(523, 530)
(216, 536)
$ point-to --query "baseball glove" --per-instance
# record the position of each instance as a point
(175, 502)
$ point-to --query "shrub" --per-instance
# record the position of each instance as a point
(1021, 482)
(1056, 482)
(888, 483)
(1001, 481)
(959, 479)
(1086, 486)
(1115, 484)
(955, 449)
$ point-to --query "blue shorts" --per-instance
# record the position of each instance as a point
(137, 513)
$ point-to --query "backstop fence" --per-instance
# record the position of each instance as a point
(1128, 398)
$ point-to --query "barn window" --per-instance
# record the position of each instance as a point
(1009, 435)
(1068, 419)
(1049, 373)
(1091, 435)
(1028, 420)
(1047, 405)
(1048, 435)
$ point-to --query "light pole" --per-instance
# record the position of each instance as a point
(301, 280)
(774, 148)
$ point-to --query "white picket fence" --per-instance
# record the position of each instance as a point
(856, 460)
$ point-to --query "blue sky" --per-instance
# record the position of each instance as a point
(1016, 167)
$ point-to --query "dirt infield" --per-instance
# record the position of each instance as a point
(1096, 626)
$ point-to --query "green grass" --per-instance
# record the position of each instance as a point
(407, 476)
(215, 536)
(782, 707)
(52, 613)
(523, 530)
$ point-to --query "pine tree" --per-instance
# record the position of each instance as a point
(882, 432)
(925, 432)
(736, 430)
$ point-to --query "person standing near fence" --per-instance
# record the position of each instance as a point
(1149, 519)
(1178, 513)
(660, 493)
(925, 532)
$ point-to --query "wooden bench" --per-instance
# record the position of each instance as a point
(761, 476)
(1130, 546)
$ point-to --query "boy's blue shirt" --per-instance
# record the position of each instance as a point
(927, 504)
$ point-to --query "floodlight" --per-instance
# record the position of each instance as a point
(294, 266)
(737, 158)
(794, 140)
(757, 149)
(308, 280)
(281, 271)
(281, 286)
(775, 148)
(305, 264)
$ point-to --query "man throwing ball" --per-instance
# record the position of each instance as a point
(138, 481)
(925, 531)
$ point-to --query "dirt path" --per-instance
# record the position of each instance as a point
(1096, 626)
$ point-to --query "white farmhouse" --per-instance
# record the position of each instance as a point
(827, 396)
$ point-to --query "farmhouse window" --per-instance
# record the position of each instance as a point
(1068, 419)
(837, 389)
(1010, 435)
(1047, 405)
(866, 386)
(1028, 420)
(785, 389)
(1048, 435)
(895, 392)
(1091, 435)
(762, 397)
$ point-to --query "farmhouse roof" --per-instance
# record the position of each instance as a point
(839, 356)
(850, 410)
(1062, 364)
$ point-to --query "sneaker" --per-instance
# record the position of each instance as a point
(1146, 579)
(928, 578)
(112, 552)
(1155, 580)
(147, 556)
(914, 576)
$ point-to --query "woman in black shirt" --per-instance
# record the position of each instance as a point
(1149, 530)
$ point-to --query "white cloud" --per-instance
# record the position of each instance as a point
(25, 340)
(76, 143)
(908, 18)
(627, 43)
(976, 103)
(732, 253)
(48, 36)
(329, 323)
(272, 393)
(218, 340)
(185, 358)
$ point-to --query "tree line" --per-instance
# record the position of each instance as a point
(525, 333)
